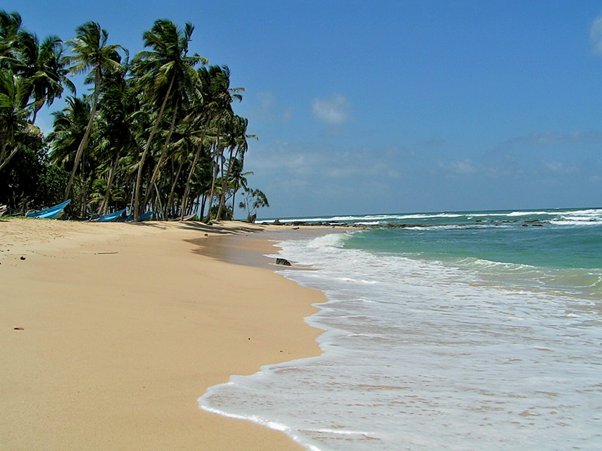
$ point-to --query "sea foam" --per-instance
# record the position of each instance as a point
(421, 355)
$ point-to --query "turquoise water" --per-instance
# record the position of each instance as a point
(565, 239)
(475, 330)
(556, 250)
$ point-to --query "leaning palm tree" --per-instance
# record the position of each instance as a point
(115, 133)
(68, 129)
(237, 146)
(41, 65)
(11, 35)
(14, 126)
(163, 71)
(218, 99)
(239, 179)
(90, 51)
(44, 67)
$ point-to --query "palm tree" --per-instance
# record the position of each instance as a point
(161, 130)
(218, 100)
(11, 35)
(69, 127)
(30, 72)
(239, 180)
(115, 129)
(199, 146)
(14, 126)
(13, 88)
(44, 67)
(163, 72)
(238, 145)
(252, 201)
(90, 52)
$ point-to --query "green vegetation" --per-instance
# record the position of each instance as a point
(155, 132)
(253, 199)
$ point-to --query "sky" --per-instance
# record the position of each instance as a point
(391, 106)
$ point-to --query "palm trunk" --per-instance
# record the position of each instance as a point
(84, 196)
(84, 142)
(5, 161)
(158, 201)
(222, 195)
(203, 201)
(189, 180)
(105, 202)
(35, 114)
(146, 149)
(213, 178)
(214, 173)
(222, 199)
(234, 200)
(172, 191)
(163, 154)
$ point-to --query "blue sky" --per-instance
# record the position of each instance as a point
(394, 106)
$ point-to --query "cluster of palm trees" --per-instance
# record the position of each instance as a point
(156, 132)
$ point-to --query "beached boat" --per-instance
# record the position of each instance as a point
(147, 216)
(49, 213)
(111, 217)
(143, 217)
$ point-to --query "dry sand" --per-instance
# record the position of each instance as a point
(110, 332)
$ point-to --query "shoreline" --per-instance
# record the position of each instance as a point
(112, 332)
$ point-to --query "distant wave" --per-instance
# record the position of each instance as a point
(379, 219)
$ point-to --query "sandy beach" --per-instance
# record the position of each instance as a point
(110, 332)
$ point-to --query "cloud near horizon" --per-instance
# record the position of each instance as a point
(333, 110)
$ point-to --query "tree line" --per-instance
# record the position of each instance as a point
(156, 131)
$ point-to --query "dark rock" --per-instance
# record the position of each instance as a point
(277, 222)
(283, 261)
(22, 258)
(533, 223)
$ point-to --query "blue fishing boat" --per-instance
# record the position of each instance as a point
(111, 217)
(143, 217)
(49, 213)
(146, 216)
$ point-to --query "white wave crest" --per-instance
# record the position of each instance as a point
(329, 240)
(377, 219)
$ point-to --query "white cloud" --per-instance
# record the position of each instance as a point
(560, 168)
(595, 34)
(462, 167)
(293, 162)
(333, 110)
(550, 139)
(343, 172)
(289, 162)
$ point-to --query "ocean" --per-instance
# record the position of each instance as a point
(468, 330)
